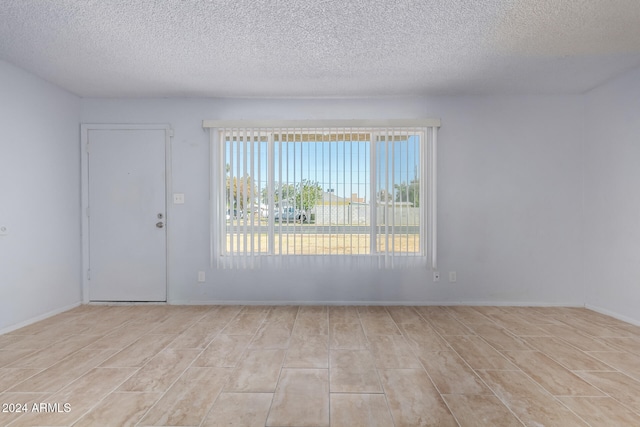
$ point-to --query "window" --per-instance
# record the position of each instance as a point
(289, 191)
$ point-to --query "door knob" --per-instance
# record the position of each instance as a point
(159, 224)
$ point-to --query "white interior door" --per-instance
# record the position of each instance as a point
(127, 215)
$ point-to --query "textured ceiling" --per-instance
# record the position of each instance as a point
(321, 48)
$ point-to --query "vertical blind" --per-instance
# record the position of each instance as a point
(298, 193)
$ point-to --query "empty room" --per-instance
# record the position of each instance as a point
(349, 213)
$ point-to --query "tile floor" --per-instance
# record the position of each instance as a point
(321, 366)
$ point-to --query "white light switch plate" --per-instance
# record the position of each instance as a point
(3, 230)
(178, 198)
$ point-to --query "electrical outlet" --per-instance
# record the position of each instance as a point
(201, 276)
(452, 277)
(436, 276)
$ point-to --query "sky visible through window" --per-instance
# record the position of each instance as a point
(340, 165)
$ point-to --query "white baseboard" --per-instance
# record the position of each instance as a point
(509, 304)
(39, 318)
(613, 314)
(113, 303)
(386, 303)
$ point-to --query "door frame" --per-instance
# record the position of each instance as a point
(84, 164)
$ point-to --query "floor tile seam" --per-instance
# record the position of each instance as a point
(546, 392)
(571, 371)
(488, 393)
(461, 358)
(579, 396)
(204, 313)
(49, 346)
(32, 350)
(234, 392)
(362, 326)
(572, 411)
(435, 329)
(113, 330)
(502, 401)
(25, 392)
(555, 359)
(417, 357)
(386, 310)
(451, 348)
(35, 367)
(435, 386)
(262, 322)
(240, 357)
(177, 333)
(72, 381)
(386, 397)
(449, 409)
(475, 310)
(235, 368)
(497, 350)
(26, 379)
(194, 324)
(275, 389)
(619, 347)
(218, 333)
(606, 394)
(512, 335)
(633, 409)
(549, 391)
(588, 352)
(476, 374)
(145, 363)
(41, 330)
(192, 321)
(357, 392)
(581, 331)
(97, 403)
(328, 358)
(497, 347)
(286, 350)
(595, 353)
(328, 374)
(90, 349)
(296, 322)
(173, 383)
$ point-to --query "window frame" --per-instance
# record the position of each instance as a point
(428, 174)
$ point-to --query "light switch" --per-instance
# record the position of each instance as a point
(178, 198)
(3, 230)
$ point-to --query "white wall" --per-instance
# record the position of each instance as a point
(509, 200)
(39, 198)
(612, 197)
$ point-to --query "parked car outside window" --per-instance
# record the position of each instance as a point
(290, 214)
